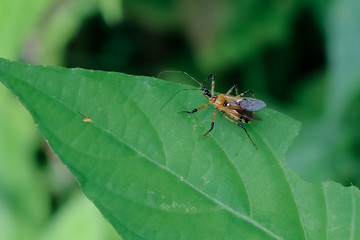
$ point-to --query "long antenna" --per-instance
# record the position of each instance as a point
(174, 96)
(161, 73)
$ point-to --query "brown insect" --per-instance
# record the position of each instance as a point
(237, 109)
(85, 117)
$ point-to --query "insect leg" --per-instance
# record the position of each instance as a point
(230, 90)
(212, 123)
(212, 77)
(197, 109)
(241, 94)
(236, 91)
(240, 125)
(246, 92)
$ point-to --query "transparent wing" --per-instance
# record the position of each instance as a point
(251, 104)
(248, 115)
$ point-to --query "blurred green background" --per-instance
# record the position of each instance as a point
(302, 57)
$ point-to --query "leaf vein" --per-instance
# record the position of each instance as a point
(229, 209)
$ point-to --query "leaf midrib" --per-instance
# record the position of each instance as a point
(229, 209)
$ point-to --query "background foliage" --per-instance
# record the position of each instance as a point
(301, 57)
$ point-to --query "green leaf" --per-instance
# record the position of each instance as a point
(327, 148)
(14, 30)
(344, 56)
(78, 219)
(239, 30)
(60, 28)
(155, 176)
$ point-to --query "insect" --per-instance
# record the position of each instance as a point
(85, 117)
(237, 109)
